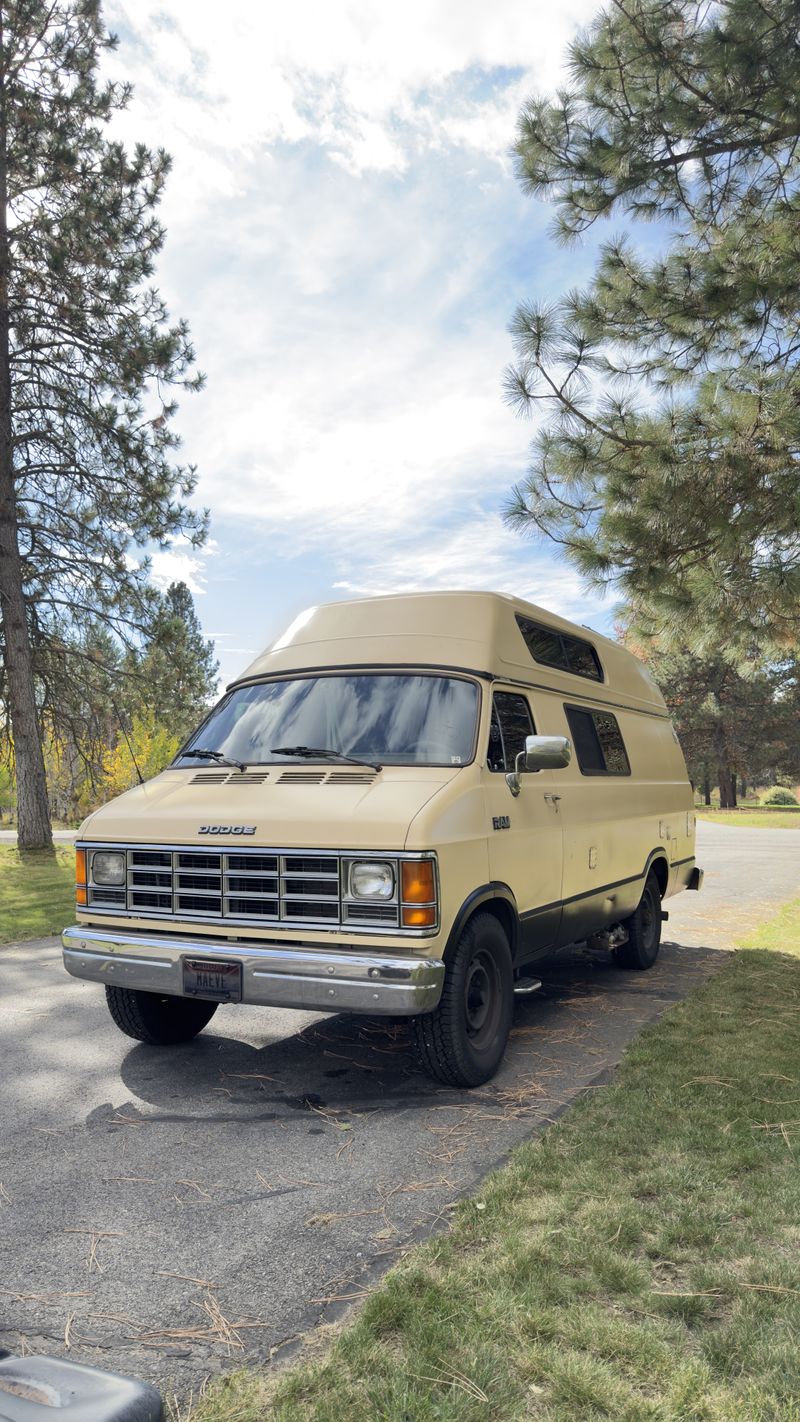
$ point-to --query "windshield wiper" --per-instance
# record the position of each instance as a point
(213, 755)
(313, 752)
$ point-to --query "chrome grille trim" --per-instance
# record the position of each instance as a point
(372, 913)
(228, 906)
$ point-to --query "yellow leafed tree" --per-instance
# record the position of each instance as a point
(149, 746)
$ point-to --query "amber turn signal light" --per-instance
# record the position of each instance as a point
(81, 896)
(419, 917)
(418, 882)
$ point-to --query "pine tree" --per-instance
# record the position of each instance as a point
(176, 675)
(729, 725)
(80, 687)
(87, 360)
(668, 460)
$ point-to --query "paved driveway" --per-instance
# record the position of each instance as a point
(171, 1212)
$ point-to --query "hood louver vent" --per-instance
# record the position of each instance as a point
(288, 777)
(351, 777)
(224, 777)
(322, 777)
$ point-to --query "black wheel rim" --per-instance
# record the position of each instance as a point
(482, 999)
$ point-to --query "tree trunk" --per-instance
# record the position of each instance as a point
(727, 788)
(33, 814)
(725, 772)
(706, 786)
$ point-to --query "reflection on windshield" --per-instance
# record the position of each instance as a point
(397, 720)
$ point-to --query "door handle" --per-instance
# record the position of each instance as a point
(554, 798)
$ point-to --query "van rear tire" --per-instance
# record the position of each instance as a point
(157, 1018)
(644, 930)
(462, 1042)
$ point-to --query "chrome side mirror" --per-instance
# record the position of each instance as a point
(546, 753)
(540, 753)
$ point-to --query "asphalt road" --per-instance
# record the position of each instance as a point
(174, 1212)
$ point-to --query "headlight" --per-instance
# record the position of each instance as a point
(371, 879)
(108, 868)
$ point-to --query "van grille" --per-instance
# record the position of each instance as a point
(371, 913)
(242, 886)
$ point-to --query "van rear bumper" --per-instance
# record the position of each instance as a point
(315, 979)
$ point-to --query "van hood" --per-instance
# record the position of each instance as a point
(324, 807)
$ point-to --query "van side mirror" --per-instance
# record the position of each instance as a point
(546, 753)
(540, 753)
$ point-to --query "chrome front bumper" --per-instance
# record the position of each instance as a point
(272, 975)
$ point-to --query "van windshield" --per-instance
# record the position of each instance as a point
(391, 718)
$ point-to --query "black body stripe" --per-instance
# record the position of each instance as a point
(602, 888)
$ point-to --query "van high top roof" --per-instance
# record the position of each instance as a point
(476, 632)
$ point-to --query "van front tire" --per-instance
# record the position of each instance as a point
(157, 1018)
(461, 1043)
(644, 930)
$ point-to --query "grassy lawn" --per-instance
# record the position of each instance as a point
(638, 1262)
(37, 892)
(763, 819)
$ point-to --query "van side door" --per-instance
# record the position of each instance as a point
(524, 831)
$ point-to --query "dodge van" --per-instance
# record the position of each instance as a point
(399, 808)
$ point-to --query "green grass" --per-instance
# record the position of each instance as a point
(37, 892)
(639, 1262)
(763, 819)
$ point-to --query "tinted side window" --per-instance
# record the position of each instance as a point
(588, 750)
(544, 645)
(610, 737)
(583, 659)
(511, 722)
(560, 650)
(598, 742)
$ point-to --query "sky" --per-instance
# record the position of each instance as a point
(347, 240)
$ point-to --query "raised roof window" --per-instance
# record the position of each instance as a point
(560, 649)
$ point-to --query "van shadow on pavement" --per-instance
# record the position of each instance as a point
(349, 1063)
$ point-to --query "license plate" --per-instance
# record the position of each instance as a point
(222, 982)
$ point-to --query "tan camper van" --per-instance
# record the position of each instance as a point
(397, 809)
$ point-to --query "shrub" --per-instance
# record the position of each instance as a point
(779, 796)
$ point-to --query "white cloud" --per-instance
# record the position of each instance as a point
(347, 241)
(181, 563)
(352, 76)
(384, 449)
(481, 554)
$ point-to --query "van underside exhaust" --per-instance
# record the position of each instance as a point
(610, 938)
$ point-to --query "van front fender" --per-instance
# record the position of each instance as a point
(499, 900)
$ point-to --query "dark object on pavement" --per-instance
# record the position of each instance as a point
(35, 1389)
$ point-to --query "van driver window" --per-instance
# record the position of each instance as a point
(511, 722)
